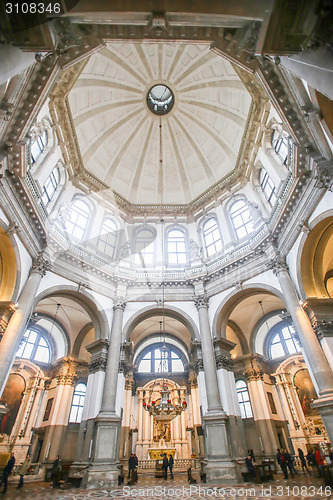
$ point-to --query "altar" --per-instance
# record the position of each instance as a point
(157, 453)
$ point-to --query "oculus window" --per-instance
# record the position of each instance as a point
(160, 99)
(283, 343)
(244, 399)
(34, 347)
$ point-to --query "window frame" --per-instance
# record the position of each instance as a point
(106, 243)
(233, 215)
(212, 231)
(243, 402)
(77, 406)
(40, 335)
(88, 217)
(176, 253)
(279, 140)
(55, 182)
(155, 346)
(270, 192)
(42, 144)
(139, 257)
(277, 330)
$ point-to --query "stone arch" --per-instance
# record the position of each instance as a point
(315, 257)
(224, 310)
(240, 336)
(86, 301)
(169, 311)
(80, 338)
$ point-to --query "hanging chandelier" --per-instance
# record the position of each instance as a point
(165, 410)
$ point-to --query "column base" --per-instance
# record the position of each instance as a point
(217, 464)
(324, 405)
(105, 469)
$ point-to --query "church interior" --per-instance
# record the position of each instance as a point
(166, 235)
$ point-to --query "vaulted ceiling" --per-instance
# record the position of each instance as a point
(151, 159)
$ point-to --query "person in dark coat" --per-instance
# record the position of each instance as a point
(170, 465)
(290, 463)
(131, 466)
(282, 463)
(250, 465)
(303, 461)
(165, 465)
(7, 472)
(56, 468)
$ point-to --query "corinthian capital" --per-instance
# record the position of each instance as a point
(40, 265)
(278, 264)
(119, 303)
(201, 301)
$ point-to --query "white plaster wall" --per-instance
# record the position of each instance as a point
(293, 263)
(325, 204)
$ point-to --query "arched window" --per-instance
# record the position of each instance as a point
(241, 218)
(108, 237)
(176, 247)
(267, 187)
(34, 347)
(144, 247)
(50, 186)
(77, 403)
(212, 237)
(280, 143)
(37, 147)
(78, 219)
(160, 358)
(244, 399)
(283, 343)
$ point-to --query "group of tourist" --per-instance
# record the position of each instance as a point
(167, 464)
(286, 462)
(23, 470)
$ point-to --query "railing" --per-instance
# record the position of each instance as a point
(180, 464)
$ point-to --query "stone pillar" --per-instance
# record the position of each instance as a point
(17, 324)
(218, 465)
(104, 470)
(318, 364)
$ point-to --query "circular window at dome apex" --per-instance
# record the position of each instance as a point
(160, 99)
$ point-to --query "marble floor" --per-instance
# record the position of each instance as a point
(148, 487)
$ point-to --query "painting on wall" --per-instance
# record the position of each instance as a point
(11, 398)
(48, 409)
(306, 392)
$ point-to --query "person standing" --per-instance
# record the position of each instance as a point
(7, 471)
(290, 463)
(282, 463)
(56, 467)
(131, 467)
(170, 465)
(165, 465)
(320, 462)
(303, 461)
(24, 469)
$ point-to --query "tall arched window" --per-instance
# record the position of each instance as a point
(244, 399)
(176, 247)
(78, 219)
(283, 343)
(241, 218)
(34, 346)
(108, 237)
(37, 147)
(144, 247)
(267, 187)
(50, 186)
(280, 143)
(160, 358)
(212, 237)
(77, 403)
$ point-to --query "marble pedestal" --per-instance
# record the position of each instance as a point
(104, 471)
(218, 465)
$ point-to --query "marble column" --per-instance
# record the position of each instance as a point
(17, 324)
(319, 367)
(218, 465)
(104, 470)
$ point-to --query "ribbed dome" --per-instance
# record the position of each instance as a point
(171, 158)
